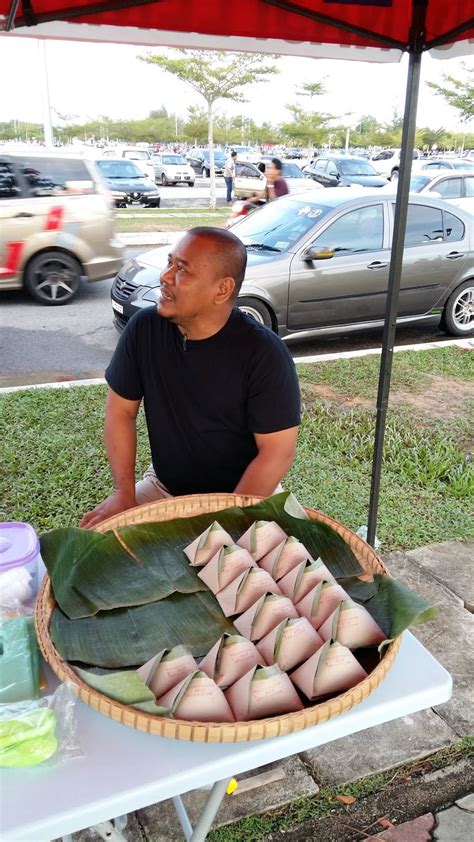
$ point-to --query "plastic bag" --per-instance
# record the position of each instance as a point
(19, 655)
(40, 730)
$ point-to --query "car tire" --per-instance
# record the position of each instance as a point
(190, 183)
(206, 173)
(257, 309)
(157, 203)
(458, 314)
(394, 175)
(164, 180)
(53, 277)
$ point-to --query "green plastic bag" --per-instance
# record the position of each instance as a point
(28, 739)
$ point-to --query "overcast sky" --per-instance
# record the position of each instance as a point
(87, 80)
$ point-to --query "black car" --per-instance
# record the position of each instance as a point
(343, 171)
(127, 183)
(200, 161)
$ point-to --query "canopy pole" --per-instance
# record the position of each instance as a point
(401, 209)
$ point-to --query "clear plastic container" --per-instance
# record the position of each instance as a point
(19, 556)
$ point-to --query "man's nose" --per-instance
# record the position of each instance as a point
(167, 275)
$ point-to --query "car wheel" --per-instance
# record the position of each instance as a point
(394, 175)
(458, 316)
(53, 277)
(255, 308)
(190, 183)
(164, 180)
(156, 203)
(206, 173)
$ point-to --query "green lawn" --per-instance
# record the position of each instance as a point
(55, 465)
(146, 220)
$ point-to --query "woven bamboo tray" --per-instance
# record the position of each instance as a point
(211, 732)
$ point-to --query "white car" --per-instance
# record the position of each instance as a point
(454, 186)
(141, 157)
(173, 168)
(387, 162)
(249, 180)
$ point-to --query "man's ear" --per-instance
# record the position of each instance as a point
(225, 290)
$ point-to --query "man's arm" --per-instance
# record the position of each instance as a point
(120, 435)
(276, 453)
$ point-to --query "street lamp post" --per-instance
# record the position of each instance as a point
(47, 126)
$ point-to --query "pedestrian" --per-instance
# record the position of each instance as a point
(219, 389)
(229, 174)
(276, 184)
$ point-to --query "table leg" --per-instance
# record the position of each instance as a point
(209, 811)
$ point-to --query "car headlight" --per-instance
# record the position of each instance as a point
(153, 294)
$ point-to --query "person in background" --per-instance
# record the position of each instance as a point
(220, 390)
(276, 184)
(229, 174)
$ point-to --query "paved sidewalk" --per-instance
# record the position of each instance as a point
(442, 573)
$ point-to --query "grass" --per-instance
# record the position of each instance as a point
(325, 802)
(145, 220)
(57, 469)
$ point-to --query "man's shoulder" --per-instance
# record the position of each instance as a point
(255, 335)
(146, 322)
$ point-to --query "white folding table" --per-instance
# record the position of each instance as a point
(124, 770)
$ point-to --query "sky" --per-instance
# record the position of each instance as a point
(89, 79)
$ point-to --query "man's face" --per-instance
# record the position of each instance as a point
(190, 281)
(272, 172)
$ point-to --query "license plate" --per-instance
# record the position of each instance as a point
(117, 307)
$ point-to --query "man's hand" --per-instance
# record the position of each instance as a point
(118, 502)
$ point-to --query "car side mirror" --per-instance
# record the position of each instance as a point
(317, 253)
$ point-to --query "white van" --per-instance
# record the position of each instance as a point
(387, 162)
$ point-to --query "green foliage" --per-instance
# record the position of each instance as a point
(458, 93)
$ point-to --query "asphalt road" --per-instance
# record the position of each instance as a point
(41, 344)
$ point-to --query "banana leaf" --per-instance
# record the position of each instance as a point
(393, 606)
(130, 636)
(91, 572)
(125, 686)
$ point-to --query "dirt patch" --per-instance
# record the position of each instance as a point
(440, 398)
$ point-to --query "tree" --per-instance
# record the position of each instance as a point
(459, 94)
(214, 76)
(314, 120)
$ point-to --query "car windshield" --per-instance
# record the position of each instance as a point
(173, 159)
(218, 156)
(356, 168)
(137, 154)
(462, 165)
(417, 182)
(119, 169)
(280, 224)
(291, 171)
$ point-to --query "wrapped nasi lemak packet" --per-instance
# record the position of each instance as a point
(201, 550)
(261, 692)
(197, 698)
(331, 669)
(225, 566)
(284, 557)
(167, 669)
(264, 615)
(320, 602)
(261, 537)
(351, 625)
(290, 643)
(229, 659)
(299, 581)
(245, 590)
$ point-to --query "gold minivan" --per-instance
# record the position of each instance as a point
(56, 225)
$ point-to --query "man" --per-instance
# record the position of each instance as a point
(220, 390)
(229, 174)
(276, 184)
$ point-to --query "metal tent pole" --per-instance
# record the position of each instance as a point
(401, 209)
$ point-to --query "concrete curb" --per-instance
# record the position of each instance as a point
(152, 238)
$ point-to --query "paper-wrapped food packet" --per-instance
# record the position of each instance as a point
(167, 669)
(229, 659)
(320, 602)
(197, 699)
(284, 557)
(264, 615)
(225, 566)
(351, 625)
(261, 692)
(261, 537)
(290, 643)
(201, 550)
(245, 590)
(332, 669)
(299, 581)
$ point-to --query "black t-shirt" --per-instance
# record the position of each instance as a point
(204, 399)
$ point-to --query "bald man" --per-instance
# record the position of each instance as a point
(220, 390)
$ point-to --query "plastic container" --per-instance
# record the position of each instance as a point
(19, 556)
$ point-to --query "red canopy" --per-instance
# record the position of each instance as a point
(388, 24)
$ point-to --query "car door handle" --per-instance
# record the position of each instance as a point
(377, 264)
(455, 255)
(23, 215)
